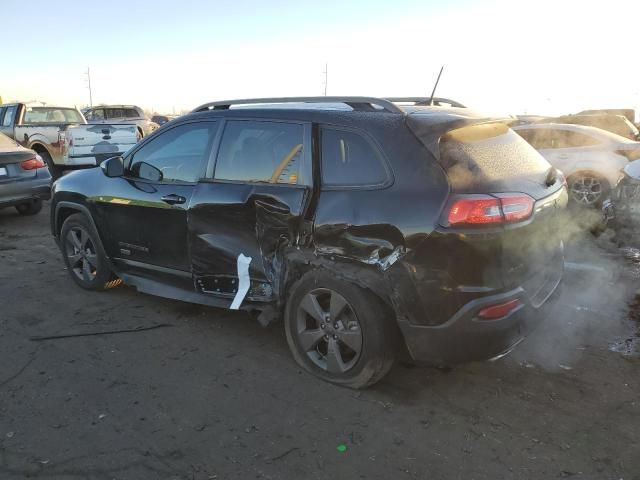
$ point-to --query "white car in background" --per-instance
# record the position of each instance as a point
(590, 158)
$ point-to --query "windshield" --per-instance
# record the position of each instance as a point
(39, 115)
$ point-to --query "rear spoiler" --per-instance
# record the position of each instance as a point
(430, 127)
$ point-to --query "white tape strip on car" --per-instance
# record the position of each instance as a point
(243, 281)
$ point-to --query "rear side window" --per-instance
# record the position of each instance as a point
(350, 160)
(114, 113)
(267, 152)
(178, 153)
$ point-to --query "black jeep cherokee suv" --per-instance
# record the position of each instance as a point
(371, 228)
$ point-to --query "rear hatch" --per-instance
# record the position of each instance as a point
(102, 141)
(505, 202)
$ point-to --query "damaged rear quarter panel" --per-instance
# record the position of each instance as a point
(381, 232)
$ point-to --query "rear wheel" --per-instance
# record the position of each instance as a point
(30, 208)
(55, 170)
(587, 189)
(338, 331)
(84, 255)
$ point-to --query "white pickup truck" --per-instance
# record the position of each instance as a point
(62, 137)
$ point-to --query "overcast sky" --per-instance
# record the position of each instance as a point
(512, 56)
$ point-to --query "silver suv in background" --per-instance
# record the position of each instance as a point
(121, 114)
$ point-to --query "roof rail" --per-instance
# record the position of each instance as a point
(421, 101)
(367, 104)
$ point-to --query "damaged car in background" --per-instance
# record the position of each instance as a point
(302, 213)
(590, 158)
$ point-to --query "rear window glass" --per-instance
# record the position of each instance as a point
(489, 154)
(131, 113)
(35, 115)
(349, 159)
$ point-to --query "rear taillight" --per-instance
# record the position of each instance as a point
(63, 142)
(490, 209)
(630, 154)
(32, 163)
(500, 310)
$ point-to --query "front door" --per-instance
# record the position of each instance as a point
(147, 216)
(253, 204)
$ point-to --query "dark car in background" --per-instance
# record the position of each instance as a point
(372, 230)
(24, 178)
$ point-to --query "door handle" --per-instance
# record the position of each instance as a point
(173, 199)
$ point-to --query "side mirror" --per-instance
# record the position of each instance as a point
(113, 167)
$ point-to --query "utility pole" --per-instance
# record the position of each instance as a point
(326, 77)
(88, 73)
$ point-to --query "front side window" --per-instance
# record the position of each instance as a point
(539, 138)
(269, 152)
(7, 120)
(349, 159)
(175, 156)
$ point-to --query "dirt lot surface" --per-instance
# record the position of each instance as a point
(216, 396)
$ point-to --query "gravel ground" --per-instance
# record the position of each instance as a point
(216, 396)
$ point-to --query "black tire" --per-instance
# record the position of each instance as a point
(375, 323)
(55, 170)
(30, 208)
(587, 199)
(84, 255)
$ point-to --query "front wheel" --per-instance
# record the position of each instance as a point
(84, 256)
(339, 331)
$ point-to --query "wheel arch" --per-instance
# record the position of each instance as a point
(39, 147)
(64, 210)
(297, 263)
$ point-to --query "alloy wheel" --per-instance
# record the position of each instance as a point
(586, 190)
(328, 331)
(81, 253)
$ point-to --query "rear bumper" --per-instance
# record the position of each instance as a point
(24, 190)
(466, 338)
